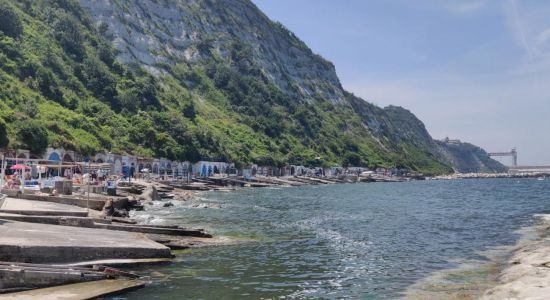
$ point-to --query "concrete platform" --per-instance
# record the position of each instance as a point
(155, 230)
(27, 276)
(30, 207)
(103, 224)
(120, 262)
(94, 202)
(78, 291)
(40, 243)
(55, 220)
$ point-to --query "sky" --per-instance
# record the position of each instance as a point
(474, 70)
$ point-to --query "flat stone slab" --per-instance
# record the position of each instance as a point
(77, 291)
(53, 220)
(93, 202)
(14, 277)
(42, 243)
(120, 262)
(30, 207)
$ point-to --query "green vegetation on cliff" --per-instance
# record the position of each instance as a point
(63, 84)
(468, 158)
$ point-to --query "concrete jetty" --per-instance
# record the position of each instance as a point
(154, 230)
(276, 181)
(317, 180)
(77, 291)
(40, 208)
(64, 244)
(88, 222)
(304, 180)
(74, 200)
(54, 220)
(18, 276)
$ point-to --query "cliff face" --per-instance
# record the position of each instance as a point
(190, 79)
(155, 33)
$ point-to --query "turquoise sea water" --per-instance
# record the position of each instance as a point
(351, 241)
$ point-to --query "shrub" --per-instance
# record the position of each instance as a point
(4, 140)
(10, 23)
(69, 36)
(188, 110)
(33, 136)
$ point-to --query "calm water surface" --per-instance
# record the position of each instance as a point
(352, 241)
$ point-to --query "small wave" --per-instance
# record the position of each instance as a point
(350, 266)
(335, 239)
(261, 208)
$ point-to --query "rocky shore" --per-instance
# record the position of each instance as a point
(57, 240)
(527, 273)
(61, 240)
(49, 240)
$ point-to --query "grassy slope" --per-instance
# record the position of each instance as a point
(60, 74)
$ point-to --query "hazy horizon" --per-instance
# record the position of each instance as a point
(471, 70)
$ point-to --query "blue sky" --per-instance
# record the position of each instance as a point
(477, 70)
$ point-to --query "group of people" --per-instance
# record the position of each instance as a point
(12, 182)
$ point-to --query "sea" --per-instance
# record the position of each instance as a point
(413, 240)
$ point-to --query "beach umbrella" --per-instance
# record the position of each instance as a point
(20, 167)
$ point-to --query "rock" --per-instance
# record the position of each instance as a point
(168, 204)
(120, 213)
(108, 209)
(203, 205)
(149, 194)
(527, 275)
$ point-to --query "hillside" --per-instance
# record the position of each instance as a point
(185, 80)
(468, 158)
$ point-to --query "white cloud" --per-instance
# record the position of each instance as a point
(518, 28)
(467, 7)
(543, 37)
(530, 26)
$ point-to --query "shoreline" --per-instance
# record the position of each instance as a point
(101, 226)
(526, 274)
(499, 279)
(518, 271)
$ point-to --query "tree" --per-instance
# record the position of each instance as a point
(352, 159)
(103, 28)
(138, 94)
(33, 136)
(106, 54)
(30, 107)
(4, 141)
(10, 23)
(69, 36)
(99, 80)
(188, 110)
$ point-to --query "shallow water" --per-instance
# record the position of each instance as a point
(352, 241)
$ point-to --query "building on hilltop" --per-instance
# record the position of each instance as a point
(451, 142)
